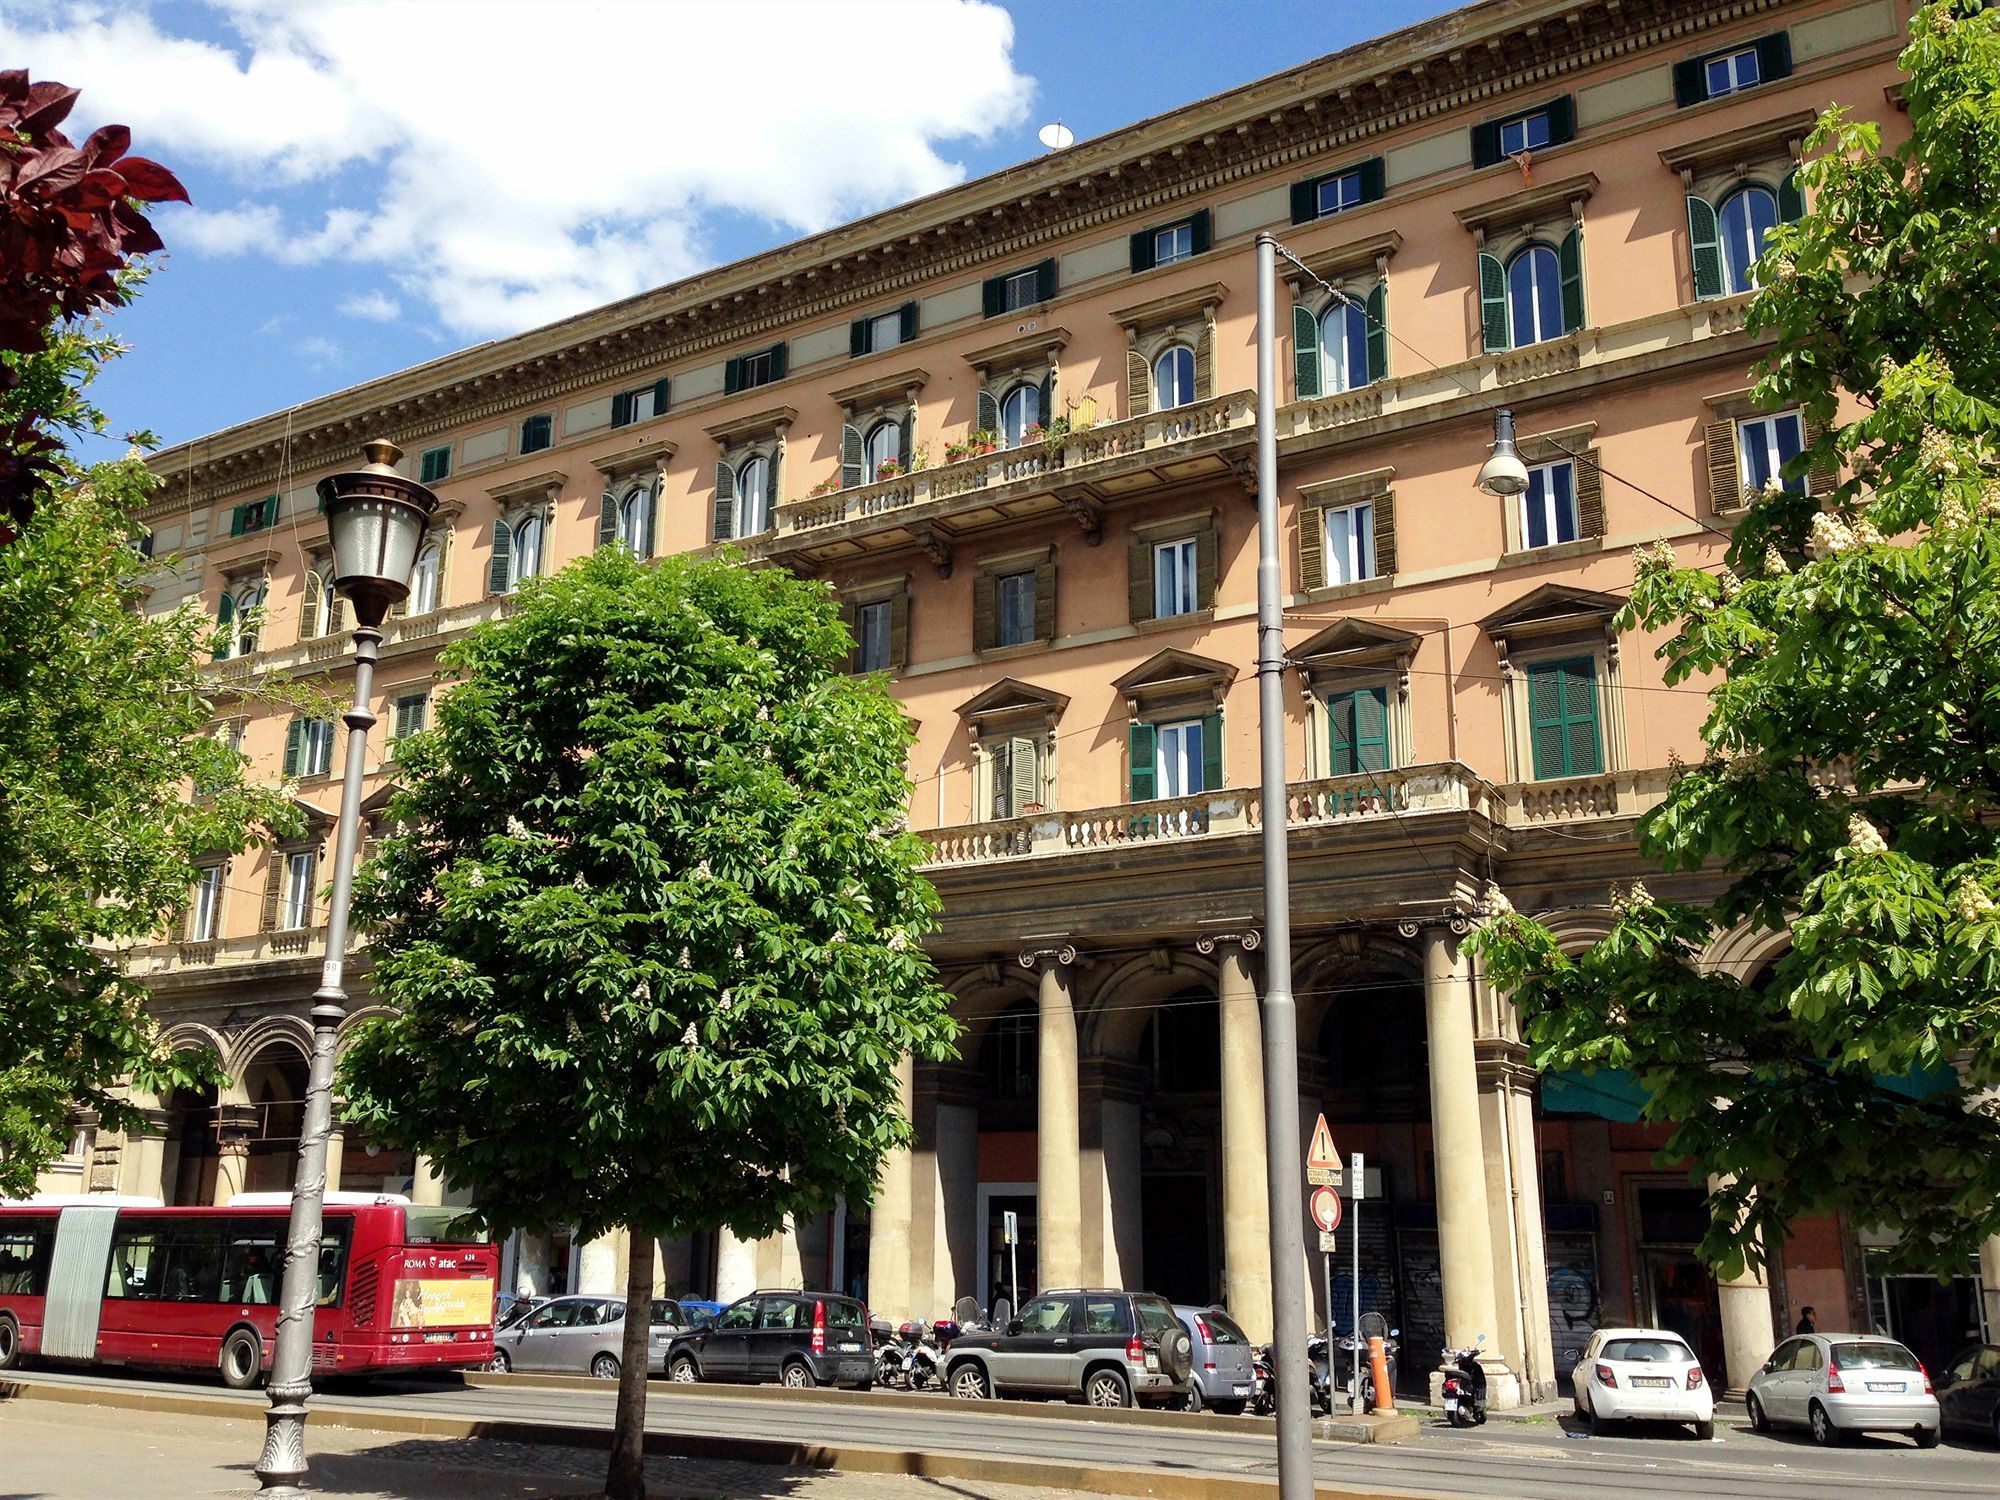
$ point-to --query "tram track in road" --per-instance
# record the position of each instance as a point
(1526, 1460)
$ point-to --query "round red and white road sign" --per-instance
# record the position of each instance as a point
(1326, 1209)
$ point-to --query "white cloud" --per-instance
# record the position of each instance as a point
(522, 162)
(377, 307)
(318, 352)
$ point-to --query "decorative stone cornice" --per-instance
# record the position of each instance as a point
(1533, 203)
(546, 485)
(648, 454)
(879, 390)
(1786, 132)
(755, 424)
(1469, 58)
(1196, 299)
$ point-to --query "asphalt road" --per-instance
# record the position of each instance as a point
(1505, 1458)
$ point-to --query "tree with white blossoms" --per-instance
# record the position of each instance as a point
(650, 921)
(1851, 795)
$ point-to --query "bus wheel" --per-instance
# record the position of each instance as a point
(10, 1344)
(242, 1360)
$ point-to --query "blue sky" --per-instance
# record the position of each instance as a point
(379, 182)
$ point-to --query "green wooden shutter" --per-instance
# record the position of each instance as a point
(236, 520)
(1305, 352)
(621, 409)
(1371, 729)
(1305, 200)
(1774, 56)
(1545, 727)
(1199, 231)
(1562, 718)
(225, 613)
(1569, 259)
(770, 500)
(1204, 569)
(651, 522)
(907, 318)
(1047, 397)
(1791, 198)
(989, 412)
(1376, 311)
(1143, 780)
(857, 338)
(993, 295)
(1139, 581)
(1493, 303)
(1486, 144)
(1045, 280)
(607, 519)
(1374, 179)
(503, 558)
(295, 733)
(723, 523)
(1211, 752)
(1142, 251)
(1585, 743)
(905, 446)
(1562, 120)
(853, 457)
(781, 359)
(1690, 83)
(1705, 243)
(1342, 759)
(1024, 774)
(732, 376)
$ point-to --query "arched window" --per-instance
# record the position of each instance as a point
(1747, 215)
(884, 445)
(1021, 410)
(753, 496)
(1173, 378)
(527, 556)
(321, 604)
(248, 600)
(1534, 296)
(1343, 347)
(635, 520)
(1010, 1055)
(424, 580)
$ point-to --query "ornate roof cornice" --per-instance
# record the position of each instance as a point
(1483, 52)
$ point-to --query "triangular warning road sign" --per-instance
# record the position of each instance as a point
(1323, 1153)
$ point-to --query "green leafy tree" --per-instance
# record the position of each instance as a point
(650, 920)
(1853, 779)
(110, 790)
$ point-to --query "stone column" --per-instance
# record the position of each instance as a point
(144, 1169)
(1112, 1089)
(735, 1266)
(952, 1183)
(427, 1186)
(600, 1265)
(1465, 1257)
(1246, 1183)
(889, 1217)
(1749, 1333)
(1514, 1206)
(233, 1125)
(1059, 1196)
(336, 1150)
(531, 1265)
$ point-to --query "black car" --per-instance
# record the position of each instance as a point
(796, 1338)
(1101, 1346)
(1968, 1392)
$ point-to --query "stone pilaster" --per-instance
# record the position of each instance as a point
(233, 1126)
(889, 1216)
(1058, 1148)
(1246, 1201)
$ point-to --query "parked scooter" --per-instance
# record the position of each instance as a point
(1465, 1387)
(1348, 1349)
(920, 1356)
(890, 1354)
(1264, 1388)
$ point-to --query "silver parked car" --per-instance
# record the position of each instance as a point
(1224, 1375)
(1841, 1383)
(575, 1335)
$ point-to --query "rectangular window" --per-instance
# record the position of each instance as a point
(411, 712)
(1175, 589)
(756, 370)
(1359, 732)
(1548, 505)
(1014, 607)
(1562, 718)
(1727, 74)
(1178, 762)
(253, 516)
(316, 748)
(537, 433)
(1017, 774)
(1019, 290)
(1350, 543)
(136, 1261)
(25, 1251)
(885, 332)
(871, 624)
(298, 906)
(1764, 445)
(1337, 193)
(748, 371)
(205, 911)
(1172, 244)
(1525, 133)
(435, 465)
(642, 405)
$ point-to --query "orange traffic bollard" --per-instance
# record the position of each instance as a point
(1378, 1365)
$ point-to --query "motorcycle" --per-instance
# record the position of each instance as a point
(921, 1367)
(890, 1354)
(1263, 1389)
(1464, 1387)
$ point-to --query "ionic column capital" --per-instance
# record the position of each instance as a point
(1249, 939)
(1063, 954)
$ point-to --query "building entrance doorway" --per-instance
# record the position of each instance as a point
(1003, 1264)
(1174, 1237)
(1936, 1320)
(1682, 1299)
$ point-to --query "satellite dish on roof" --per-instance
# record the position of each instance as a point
(1057, 136)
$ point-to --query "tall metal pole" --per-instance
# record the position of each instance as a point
(1281, 1025)
(283, 1462)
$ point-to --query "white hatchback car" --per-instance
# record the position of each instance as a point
(1642, 1375)
(1841, 1383)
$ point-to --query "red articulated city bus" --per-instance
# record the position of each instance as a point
(115, 1283)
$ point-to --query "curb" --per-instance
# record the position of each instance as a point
(1341, 1429)
(847, 1458)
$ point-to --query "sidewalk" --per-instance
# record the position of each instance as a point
(86, 1452)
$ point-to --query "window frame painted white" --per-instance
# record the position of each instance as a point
(1348, 543)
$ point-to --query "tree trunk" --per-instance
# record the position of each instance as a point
(627, 1477)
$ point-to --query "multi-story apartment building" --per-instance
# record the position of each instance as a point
(1012, 425)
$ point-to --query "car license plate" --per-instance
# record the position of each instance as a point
(445, 1338)
(1652, 1380)
(1887, 1385)
(1450, 1405)
(1241, 1390)
(850, 1348)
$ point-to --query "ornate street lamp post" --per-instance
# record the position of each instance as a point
(377, 520)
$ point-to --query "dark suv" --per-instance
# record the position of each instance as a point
(795, 1338)
(1107, 1348)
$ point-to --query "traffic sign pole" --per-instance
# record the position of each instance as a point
(1354, 1191)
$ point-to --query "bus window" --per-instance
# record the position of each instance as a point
(193, 1271)
(135, 1258)
(250, 1265)
(24, 1259)
(423, 1225)
(333, 1260)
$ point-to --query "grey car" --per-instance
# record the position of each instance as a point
(1837, 1384)
(1104, 1347)
(1224, 1374)
(577, 1335)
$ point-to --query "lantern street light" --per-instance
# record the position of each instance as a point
(377, 519)
(1503, 473)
